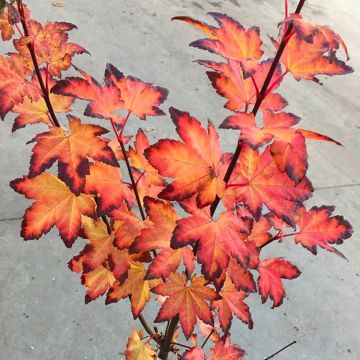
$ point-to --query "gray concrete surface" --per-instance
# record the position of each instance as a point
(42, 311)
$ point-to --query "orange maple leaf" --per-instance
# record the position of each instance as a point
(240, 88)
(50, 45)
(34, 112)
(196, 163)
(257, 181)
(306, 59)
(100, 251)
(55, 204)
(98, 282)
(6, 29)
(319, 228)
(288, 148)
(136, 349)
(271, 271)
(187, 301)
(218, 240)
(13, 84)
(157, 235)
(231, 302)
(105, 181)
(229, 40)
(139, 97)
(134, 286)
(72, 151)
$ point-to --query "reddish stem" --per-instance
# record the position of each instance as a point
(259, 100)
(19, 30)
(256, 87)
(132, 179)
(47, 78)
(286, 9)
(277, 82)
(30, 46)
(278, 236)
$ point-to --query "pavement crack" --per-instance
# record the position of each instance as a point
(11, 219)
(337, 186)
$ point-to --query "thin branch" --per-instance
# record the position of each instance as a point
(278, 352)
(207, 338)
(277, 237)
(132, 179)
(182, 345)
(259, 100)
(30, 46)
(148, 328)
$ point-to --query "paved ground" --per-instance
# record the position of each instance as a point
(42, 313)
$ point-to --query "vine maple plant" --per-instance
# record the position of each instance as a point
(124, 195)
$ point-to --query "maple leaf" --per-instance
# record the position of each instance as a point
(139, 160)
(196, 163)
(232, 82)
(306, 60)
(34, 112)
(230, 40)
(6, 29)
(13, 84)
(305, 30)
(134, 286)
(105, 182)
(217, 240)
(104, 100)
(163, 221)
(50, 45)
(136, 349)
(241, 278)
(55, 204)
(319, 228)
(288, 148)
(127, 226)
(257, 181)
(168, 260)
(139, 97)
(224, 350)
(187, 301)
(72, 151)
(98, 282)
(157, 235)
(232, 303)
(100, 251)
(271, 271)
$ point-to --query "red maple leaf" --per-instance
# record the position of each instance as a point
(189, 301)
(231, 40)
(72, 151)
(55, 204)
(288, 148)
(257, 181)
(271, 271)
(231, 302)
(218, 240)
(196, 163)
(319, 228)
(51, 46)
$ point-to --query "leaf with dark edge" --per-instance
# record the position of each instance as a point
(72, 151)
(217, 240)
(55, 204)
(196, 163)
(271, 271)
(319, 228)
(187, 301)
(231, 302)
